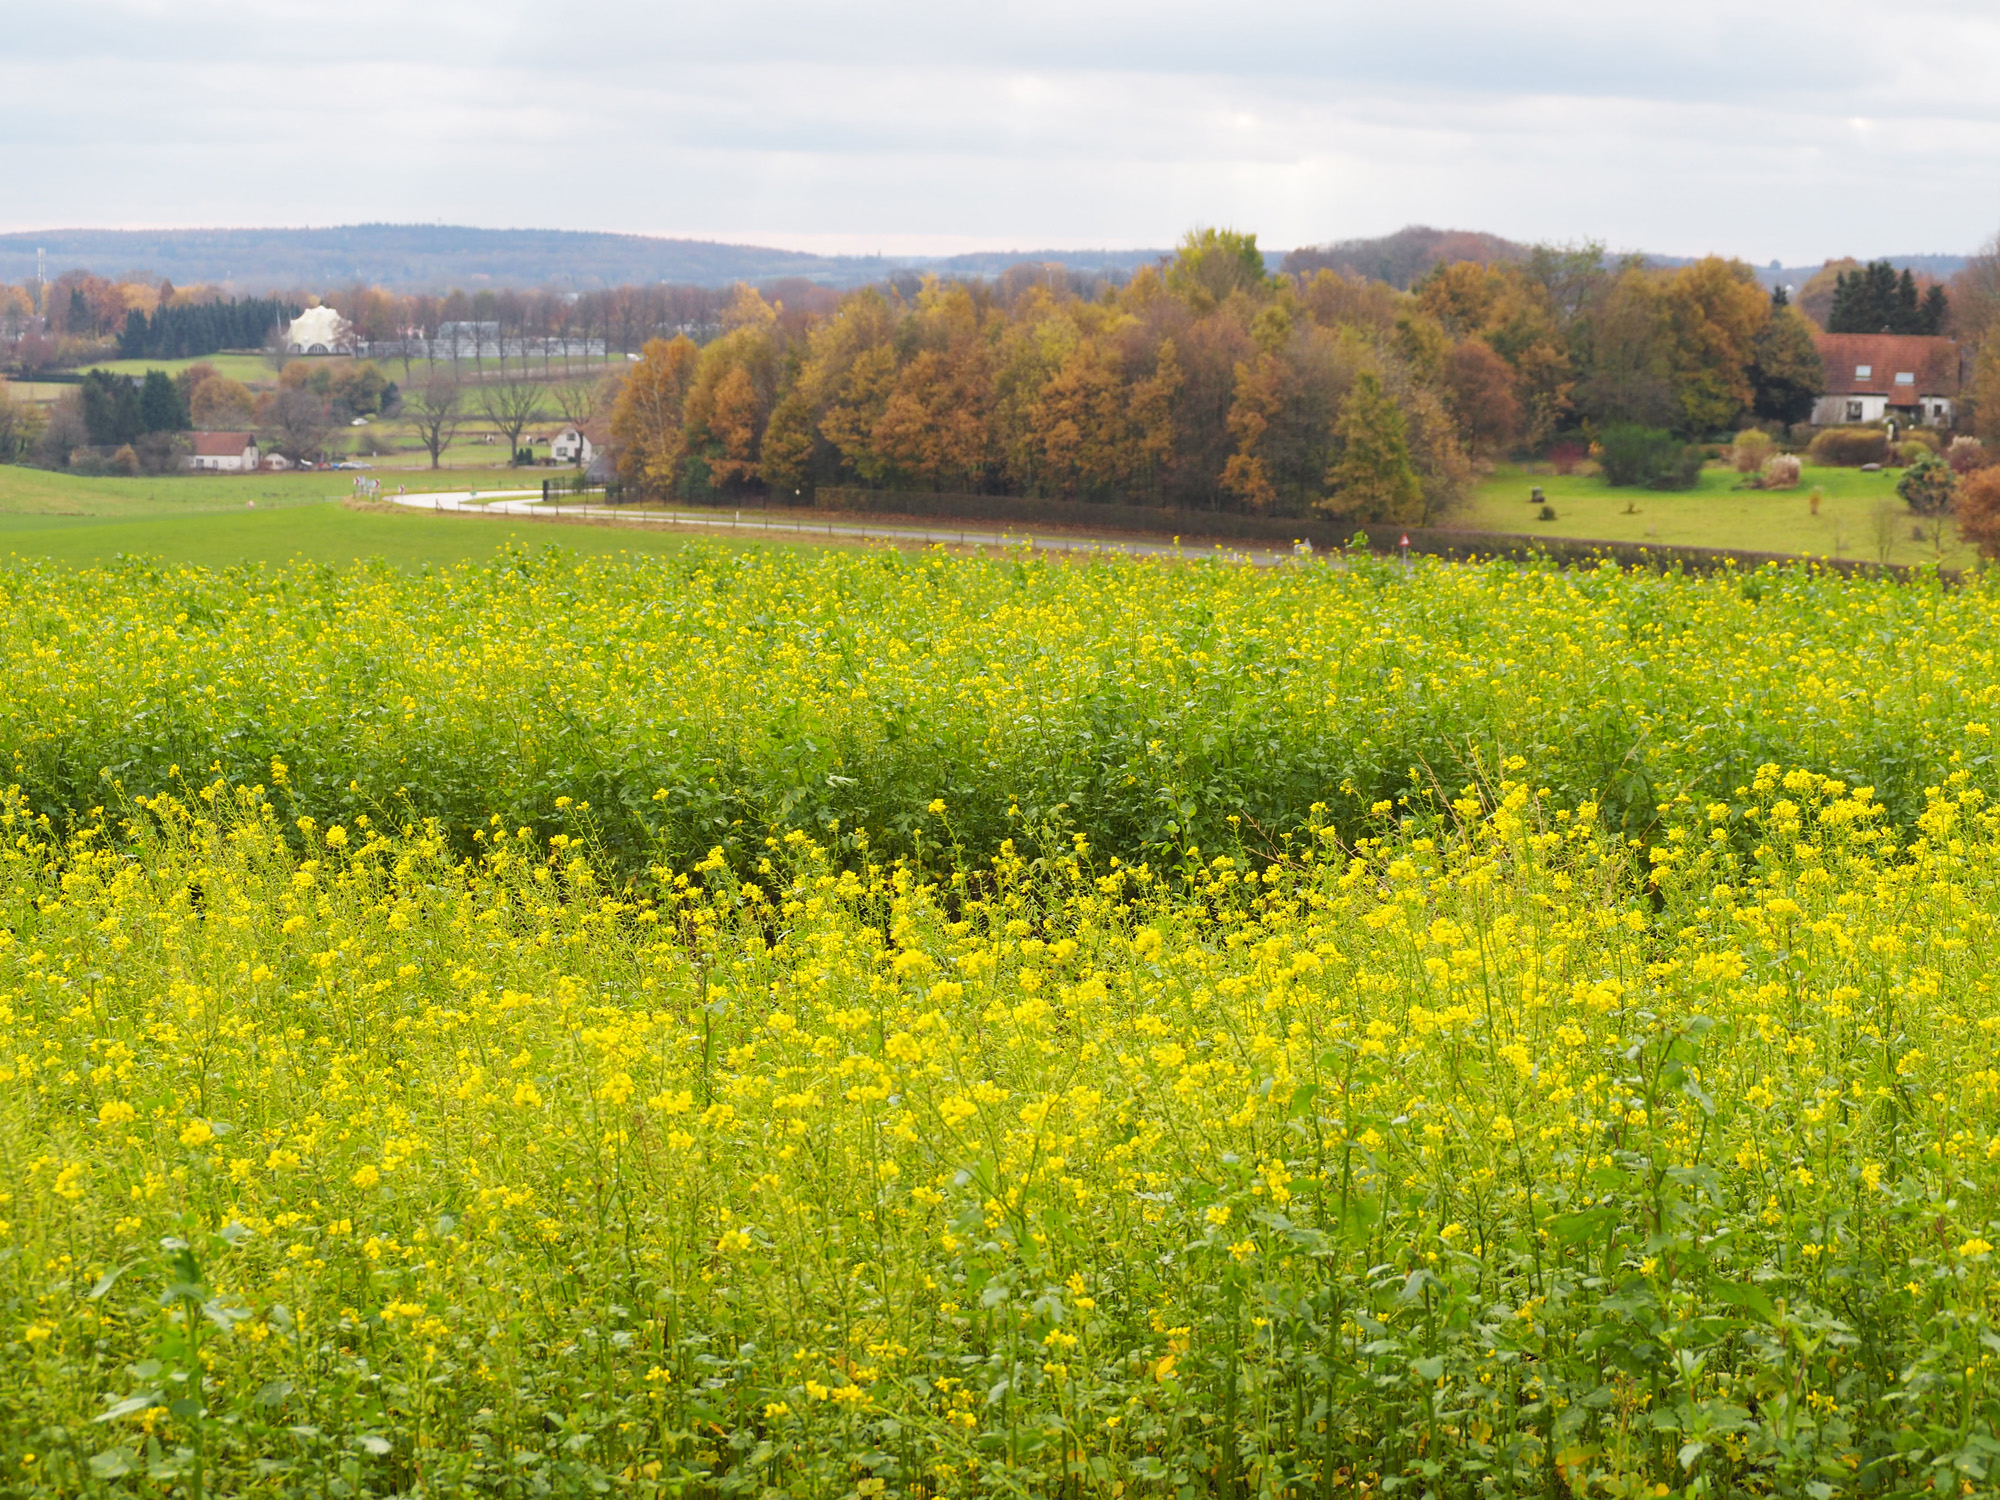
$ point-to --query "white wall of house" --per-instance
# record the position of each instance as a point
(1836, 411)
(571, 447)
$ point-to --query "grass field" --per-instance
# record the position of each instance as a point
(210, 521)
(1717, 515)
(794, 1023)
(252, 369)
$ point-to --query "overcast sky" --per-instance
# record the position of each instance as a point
(1793, 132)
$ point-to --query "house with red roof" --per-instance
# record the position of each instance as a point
(1873, 377)
(223, 452)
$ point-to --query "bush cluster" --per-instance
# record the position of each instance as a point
(1848, 447)
(1649, 457)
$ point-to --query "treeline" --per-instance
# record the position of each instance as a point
(191, 330)
(1210, 383)
(1875, 299)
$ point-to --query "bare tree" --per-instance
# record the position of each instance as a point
(578, 398)
(435, 410)
(299, 423)
(510, 405)
(1975, 295)
(1885, 520)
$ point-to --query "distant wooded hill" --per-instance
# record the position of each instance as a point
(441, 257)
(1404, 258)
(434, 257)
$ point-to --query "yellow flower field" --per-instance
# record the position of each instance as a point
(1485, 1153)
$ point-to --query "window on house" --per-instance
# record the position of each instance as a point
(1864, 372)
(1854, 411)
(1904, 377)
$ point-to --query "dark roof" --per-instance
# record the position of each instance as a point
(1932, 364)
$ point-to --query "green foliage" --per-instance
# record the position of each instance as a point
(162, 405)
(1649, 457)
(808, 689)
(1786, 372)
(111, 413)
(1373, 479)
(1874, 299)
(190, 330)
(1212, 263)
(1927, 485)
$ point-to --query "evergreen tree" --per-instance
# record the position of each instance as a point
(1904, 319)
(1936, 309)
(110, 409)
(1373, 478)
(1875, 299)
(162, 407)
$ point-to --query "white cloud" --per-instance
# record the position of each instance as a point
(889, 124)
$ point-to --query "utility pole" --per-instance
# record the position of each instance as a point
(42, 282)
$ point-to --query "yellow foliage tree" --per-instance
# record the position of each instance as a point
(647, 419)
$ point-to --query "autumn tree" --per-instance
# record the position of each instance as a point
(790, 446)
(1081, 424)
(647, 417)
(1373, 479)
(1461, 295)
(219, 403)
(1978, 510)
(1714, 310)
(1479, 390)
(1150, 419)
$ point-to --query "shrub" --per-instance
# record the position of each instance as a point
(125, 462)
(1848, 447)
(1650, 457)
(1909, 451)
(1966, 454)
(1566, 457)
(1979, 509)
(1781, 471)
(1751, 450)
(1927, 484)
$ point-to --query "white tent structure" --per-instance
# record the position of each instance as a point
(319, 330)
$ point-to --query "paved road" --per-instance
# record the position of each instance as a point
(528, 504)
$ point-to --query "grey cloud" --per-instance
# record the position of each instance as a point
(1695, 128)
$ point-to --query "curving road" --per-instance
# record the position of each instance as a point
(528, 505)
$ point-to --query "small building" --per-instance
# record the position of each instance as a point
(223, 453)
(276, 462)
(1875, 377)
(319, 330)
(571, 446)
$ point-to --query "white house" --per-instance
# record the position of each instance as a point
(319, 330)
(1871, 377)
(223, 453)
(571, 447)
